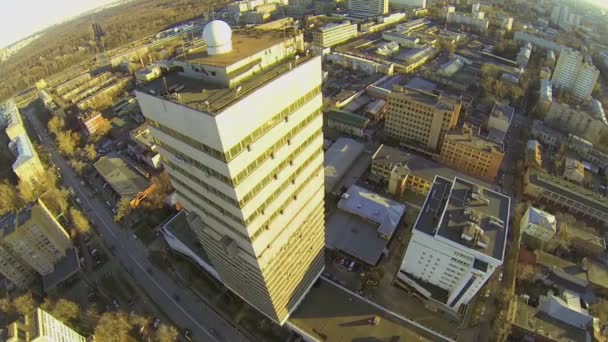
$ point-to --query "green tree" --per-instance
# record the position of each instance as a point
(166, 333)
(10, 202)
(123, 209)
(80, 222)
(24, 304)
(67, 142)
(56, 125)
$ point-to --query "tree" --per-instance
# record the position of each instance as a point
(57, 200)
(67, 142)
(56, 125)
(166, 333)
(80, 222)
(90, 152)
(66, 310)
(24, 304)
(123, 209)
(78, 166)
(525, 272)
(27, 192)
(102, 130)
(112, 326)
(10, 202)
(161, 186)
(600, 310)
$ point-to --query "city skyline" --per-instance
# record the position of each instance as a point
(21, 19)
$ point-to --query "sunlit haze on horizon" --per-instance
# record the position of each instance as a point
(21, 18)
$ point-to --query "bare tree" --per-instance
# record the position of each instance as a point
(27, 192)
(78, 166)
(112, 326)
(65, 310)
(161, 189)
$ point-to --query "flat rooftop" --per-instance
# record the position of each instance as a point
(64, 269)
(474, 141)
(373, 207)
(211, 98)
(422, 167)
(459, 209)
(428, 98)
(355, 236)
(124, 180)
(329, 313)
(179, 227)
(530, 319)
(338, 159)
(244, 44)
(9, 222)
(570, 190)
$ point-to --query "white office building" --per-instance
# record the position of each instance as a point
(334, 33)
(401, 4)
(457, 243)
(367, 8)
(539, 224)
(239, 129)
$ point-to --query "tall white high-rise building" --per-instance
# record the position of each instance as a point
(458, 241)
(575, 75)
(585, 81)
(239, 129)
(401, 4)
(367, 8)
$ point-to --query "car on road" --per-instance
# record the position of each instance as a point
(500, 277)
(156, 323)
(115, 303)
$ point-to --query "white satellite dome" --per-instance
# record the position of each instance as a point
(218, 37)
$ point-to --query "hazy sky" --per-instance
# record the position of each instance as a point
(20, 18)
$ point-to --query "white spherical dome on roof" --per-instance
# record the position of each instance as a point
(218, 37)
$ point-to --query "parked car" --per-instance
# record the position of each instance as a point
(187, 334)
(156, 323)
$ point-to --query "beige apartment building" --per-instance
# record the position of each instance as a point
(41, 326)
(467, 151)
(241, 137)
(420, 119)
(334, 34)
(31, 241)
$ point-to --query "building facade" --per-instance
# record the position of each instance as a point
(576, 120)
(539, 224)
(33, 241)
(91, 121)
(254, 191)
(563, 194)
(367, 8)
(41, 326)
(333, 34)
(471, 153)
(420, 118)
(458, 241)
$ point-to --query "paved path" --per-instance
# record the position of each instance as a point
(179, 304)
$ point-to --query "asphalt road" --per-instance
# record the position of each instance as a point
(183, 308)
